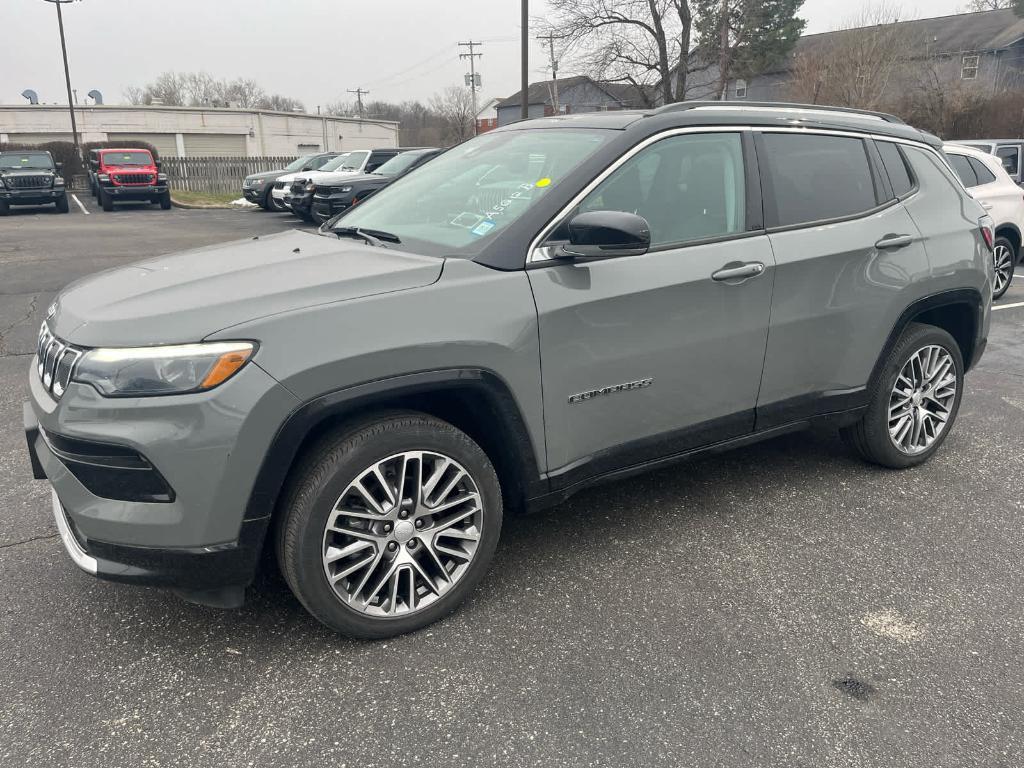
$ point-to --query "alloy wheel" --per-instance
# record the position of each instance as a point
(402, 534)
(1002, 258)
(922, 399)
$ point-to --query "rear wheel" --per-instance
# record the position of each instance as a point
(106, 201)
(1004, 256)
(915, 400)
(62, 204)
(389, 525)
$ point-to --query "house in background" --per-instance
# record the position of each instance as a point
(487, 118)
(981, 51)
(575, 94)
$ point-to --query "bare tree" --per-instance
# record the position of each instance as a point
(197, 89)
(454, 108)
(989, 5)
(865, 65)
(641, 42)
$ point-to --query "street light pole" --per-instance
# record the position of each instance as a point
(67, 73)
(524, 107)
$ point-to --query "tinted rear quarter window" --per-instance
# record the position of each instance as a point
(963, 169)
(816, 178)
(895, 168)
(985, 176)
(1011, 159)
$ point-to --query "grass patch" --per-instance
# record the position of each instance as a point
(203, 198)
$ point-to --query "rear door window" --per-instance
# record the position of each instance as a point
(895, 168)
(985, 176)
(963, 169)
(1011, 159)
(816, 178)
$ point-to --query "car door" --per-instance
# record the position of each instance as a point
(1009, 155)
(650, 355)
(849, 259)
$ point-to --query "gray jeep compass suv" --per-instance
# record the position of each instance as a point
(550, 305)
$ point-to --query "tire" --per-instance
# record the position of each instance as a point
(277, 207)
(62, 204)
(871, 437)
(266, 204)
(106, 201)
(165, 201)
(1004, 256)
(4, 207)
(329, 472)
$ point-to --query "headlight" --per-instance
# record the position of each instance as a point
(344, 189)
(254, 182)
(141, 371)
(310, 187)
(161, 177)
(103, 176)
(58, 181)
(2, 185)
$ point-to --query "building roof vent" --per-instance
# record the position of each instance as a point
(32, 96)
(156, 102)
(96, 96)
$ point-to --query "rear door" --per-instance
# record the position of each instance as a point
(646, 356)
(848, 260)
(1009, 155)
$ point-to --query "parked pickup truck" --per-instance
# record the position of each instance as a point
(127, 175)
(31, 178)
(330, 194)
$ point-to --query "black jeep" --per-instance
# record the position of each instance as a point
(31, 178)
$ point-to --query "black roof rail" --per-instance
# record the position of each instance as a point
(682, 106)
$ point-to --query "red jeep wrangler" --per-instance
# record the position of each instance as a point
(117, 175)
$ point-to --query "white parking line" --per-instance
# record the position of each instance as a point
(1008, 306)
(79, 202)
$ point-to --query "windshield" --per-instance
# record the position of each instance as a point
(461, 199)
(37, 160)
(353, 161)
(296, 165)
(334, 163)
(399, 163)
(127, 158)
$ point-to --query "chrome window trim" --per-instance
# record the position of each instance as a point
(537, 254)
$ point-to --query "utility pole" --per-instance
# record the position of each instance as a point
(472, 56)
(359, 92)
(524, 104)
(550, 37)
(67, 74)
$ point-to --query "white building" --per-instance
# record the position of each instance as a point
(197, 131)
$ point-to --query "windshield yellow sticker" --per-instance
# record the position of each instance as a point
(544, 182)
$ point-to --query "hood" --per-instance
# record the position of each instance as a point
(291, 176)
(332, 177)
(265, 175)
(27, 172)
(187, 296)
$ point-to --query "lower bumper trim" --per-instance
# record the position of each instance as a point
(80, 557)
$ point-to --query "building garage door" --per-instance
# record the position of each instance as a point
(165, 144)
(37, 138)
(214, 145)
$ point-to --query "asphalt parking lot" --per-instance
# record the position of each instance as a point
(784, 604)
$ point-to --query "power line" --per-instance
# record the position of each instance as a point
(473, 76)
(359, 92)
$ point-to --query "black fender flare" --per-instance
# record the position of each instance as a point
(302, 422)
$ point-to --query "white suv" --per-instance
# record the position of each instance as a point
(988, 182)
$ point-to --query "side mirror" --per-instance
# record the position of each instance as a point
(59, 167)
(158, 164)
(607, 234)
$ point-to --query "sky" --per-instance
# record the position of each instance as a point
(313, 50)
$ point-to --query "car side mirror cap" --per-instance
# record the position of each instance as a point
(59, 167)
(606, 235)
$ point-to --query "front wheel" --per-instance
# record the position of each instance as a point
(106, 201)
(62, 204)
(1004, 256)
(389, 525)
(165, 201)
(915, 400)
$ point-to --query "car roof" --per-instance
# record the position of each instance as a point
(124, 149)
(754, 114)
(962, 149)
(25, 152)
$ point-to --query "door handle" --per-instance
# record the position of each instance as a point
(753, 269)
(986, 206)
(894, 241)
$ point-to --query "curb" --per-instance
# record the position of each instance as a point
(202, 206)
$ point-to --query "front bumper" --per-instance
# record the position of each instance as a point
(331, 205)
(209, 450)
(302, 203)
(254, 194)
(147, 192)
(31, 196)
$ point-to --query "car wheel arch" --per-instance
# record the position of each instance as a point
(1013, 234)
(476, 401)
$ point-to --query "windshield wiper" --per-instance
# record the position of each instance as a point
(371, 236)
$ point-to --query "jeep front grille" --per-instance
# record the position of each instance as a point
(133, 178)
(29, 182)
(55, 362)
